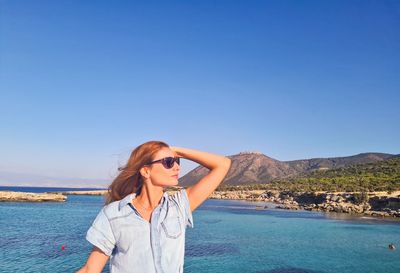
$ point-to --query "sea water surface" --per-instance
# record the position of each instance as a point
(228, 236)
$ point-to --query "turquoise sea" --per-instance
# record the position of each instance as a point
(229, 236)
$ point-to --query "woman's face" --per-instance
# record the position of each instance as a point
(161, 176)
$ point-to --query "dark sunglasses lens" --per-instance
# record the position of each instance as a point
(169, 162)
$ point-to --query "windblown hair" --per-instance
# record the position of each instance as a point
(129, 179)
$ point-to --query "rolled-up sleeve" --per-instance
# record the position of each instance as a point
(183, 202)
(100, 234)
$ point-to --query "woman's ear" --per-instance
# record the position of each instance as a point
(145, 172)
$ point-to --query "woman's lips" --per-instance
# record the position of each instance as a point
(175, 176)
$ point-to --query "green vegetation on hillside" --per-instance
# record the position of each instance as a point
(379, 176)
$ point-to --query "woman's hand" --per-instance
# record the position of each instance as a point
(176, 151)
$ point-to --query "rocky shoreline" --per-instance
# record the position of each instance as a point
(372, 203)
(95, 192)
(11, 196)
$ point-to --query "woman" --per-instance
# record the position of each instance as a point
(142, 228)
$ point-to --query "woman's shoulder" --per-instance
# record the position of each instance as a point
(117, 208)
(181, 200)
(179, 197)
(175, 194)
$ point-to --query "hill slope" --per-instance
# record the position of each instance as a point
(257, 168)
(378, 176)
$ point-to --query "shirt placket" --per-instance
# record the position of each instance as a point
(155, 239)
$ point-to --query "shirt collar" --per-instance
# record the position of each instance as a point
(126, 200)
(132, 196)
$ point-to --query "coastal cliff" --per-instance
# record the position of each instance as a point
(11, 196)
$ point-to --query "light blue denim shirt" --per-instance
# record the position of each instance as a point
(137, 246)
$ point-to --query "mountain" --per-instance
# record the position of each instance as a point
(309, 165)
(255, 167)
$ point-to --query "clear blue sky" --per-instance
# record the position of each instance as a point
(84, 82)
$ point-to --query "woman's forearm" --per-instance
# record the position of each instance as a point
(208, 160)
(82, 270)
(95, 263)
(219, 167)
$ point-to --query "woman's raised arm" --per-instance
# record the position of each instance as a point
(95, 263)
(218, 166)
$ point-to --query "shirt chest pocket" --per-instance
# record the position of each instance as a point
(172, 224)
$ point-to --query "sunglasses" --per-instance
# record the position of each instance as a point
(167, 162)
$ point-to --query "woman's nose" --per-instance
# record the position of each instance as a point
(176, 166)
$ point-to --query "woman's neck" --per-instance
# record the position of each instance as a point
(150, 196)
